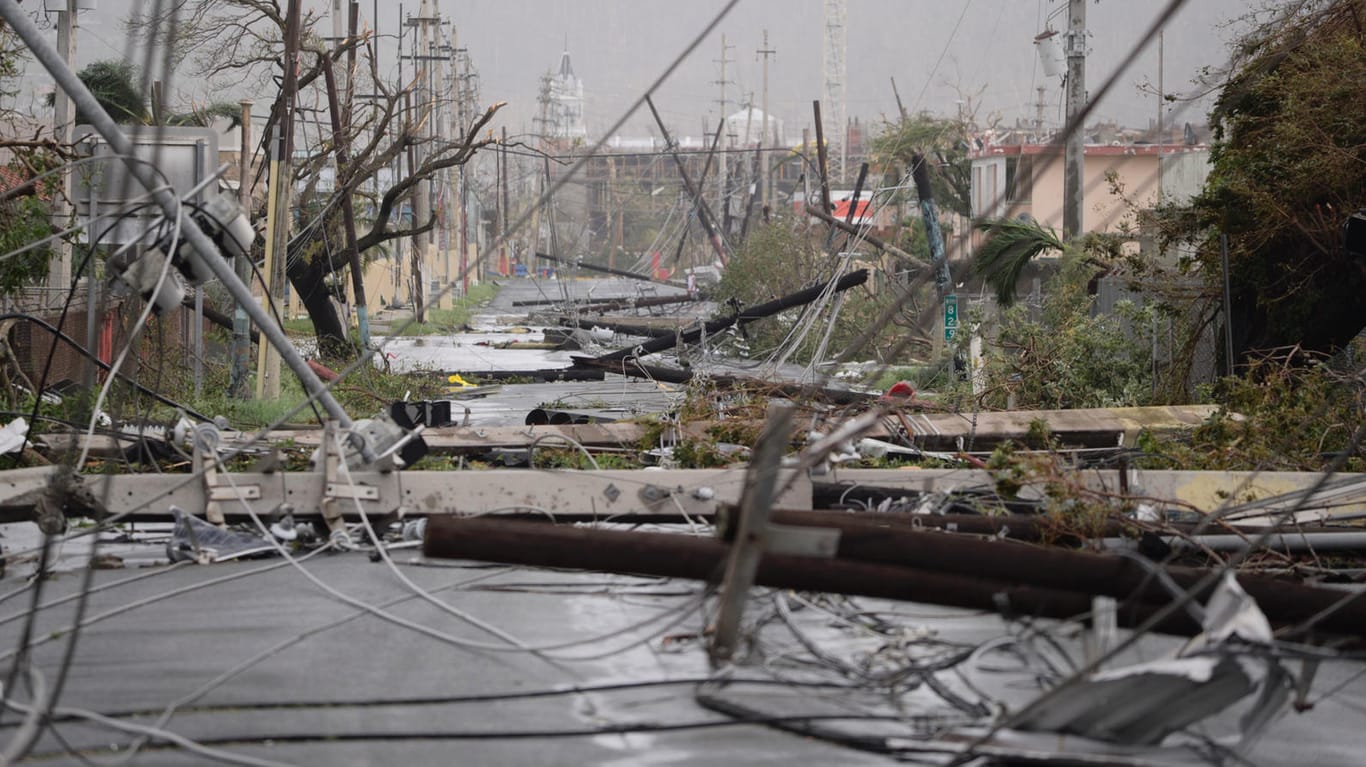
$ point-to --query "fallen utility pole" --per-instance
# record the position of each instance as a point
(865, 537)
(704, 213)
(857, 231)
(756, 502)
(595, 494)
(1037, 528)
(644, 302)
(611, 304)
(743, 317)
(701, 182)
(637, 369)
(624, 328)
(1033, 528)
(542, 544)
(542, 374)
(606, 270)
(1078, 428)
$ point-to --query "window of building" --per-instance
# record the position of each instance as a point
(1019, 178)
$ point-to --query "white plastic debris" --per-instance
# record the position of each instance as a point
(14, 436)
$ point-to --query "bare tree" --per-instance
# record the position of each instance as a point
(388, 129)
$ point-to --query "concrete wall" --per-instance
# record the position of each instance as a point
(1183, 176)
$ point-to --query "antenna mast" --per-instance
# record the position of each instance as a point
(836, 41)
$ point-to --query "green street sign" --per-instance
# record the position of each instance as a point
(950, 317)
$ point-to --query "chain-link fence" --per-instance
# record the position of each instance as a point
(1177, 323)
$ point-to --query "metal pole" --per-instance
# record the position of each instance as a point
(198, 361)
(197, 333)
(1074, 154)
(505, 200)
(203, 248)
(1228, 307)
(92, 290)
(241, 324)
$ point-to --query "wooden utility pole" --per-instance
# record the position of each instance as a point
(506, 206)
(900, 107)
(756, 502)
(422, 53)
(822, 165)
(443, 131)
(461, 77)
(533, 249)
(64, 124)
(550, 211)
(1074, 154)
(281, 198)
(764, 134)
(704, 214)
(1161, 106)
(721, 128)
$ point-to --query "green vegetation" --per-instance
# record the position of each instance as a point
(1288, 167)
(24, 220)
(943, 142)
(1010, 246)
(439, 321)
(1287, 412)
(24, 213)
(1062, 355)
(115, 85)
(777, 259)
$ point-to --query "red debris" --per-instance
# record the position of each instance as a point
(900, 390)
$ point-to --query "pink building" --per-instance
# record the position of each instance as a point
(1027, 179)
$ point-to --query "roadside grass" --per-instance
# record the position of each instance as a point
(439, 321)
(442, 321)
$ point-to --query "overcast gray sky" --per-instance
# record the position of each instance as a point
(939, 51)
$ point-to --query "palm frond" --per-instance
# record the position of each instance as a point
(1010, 245)
(203, 116)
